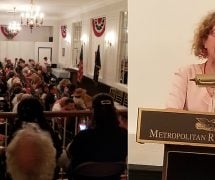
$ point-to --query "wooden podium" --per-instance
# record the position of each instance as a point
(188, 138)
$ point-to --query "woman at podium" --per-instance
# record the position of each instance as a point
(184, 93)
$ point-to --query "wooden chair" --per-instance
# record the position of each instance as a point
(99, 171)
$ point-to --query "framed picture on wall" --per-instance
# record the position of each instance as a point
(63, 51)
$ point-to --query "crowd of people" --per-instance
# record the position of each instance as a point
(36, 79)
(29, 89)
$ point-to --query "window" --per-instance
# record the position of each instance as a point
(123, 48)
(76, 44)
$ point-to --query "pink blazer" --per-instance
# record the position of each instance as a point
(185, 94)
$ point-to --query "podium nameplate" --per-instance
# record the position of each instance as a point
(170, 127)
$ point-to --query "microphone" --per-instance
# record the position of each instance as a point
(204, 80)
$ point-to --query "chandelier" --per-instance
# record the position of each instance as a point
(32, 17)
(13, 26)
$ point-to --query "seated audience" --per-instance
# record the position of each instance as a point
(78, 95)
(9, 78)
(19, 98)
(34, 80)
(50, 97)
(30, 110)
(45, 90)
(26, 71)
(64, 104)
(69, 90)
(31, 63)
(63, 84)
(31, 154)
(15, 91)
(105, 141)
(16, 81)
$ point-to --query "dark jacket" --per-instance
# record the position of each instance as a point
(98, 145)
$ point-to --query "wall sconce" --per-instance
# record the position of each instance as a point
(84, 39)
(109, 39)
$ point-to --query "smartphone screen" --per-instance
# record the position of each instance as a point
(82, 127)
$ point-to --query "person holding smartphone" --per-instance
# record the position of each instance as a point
(104, 141)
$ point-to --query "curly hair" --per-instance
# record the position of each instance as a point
(201, 35)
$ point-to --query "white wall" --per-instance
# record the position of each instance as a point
(22, 49)
(108, 54)
(39, 34)
(16, 49)
(160, 38)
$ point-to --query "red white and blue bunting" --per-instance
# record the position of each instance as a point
(99, 26)
(7, 33)
(63, 31)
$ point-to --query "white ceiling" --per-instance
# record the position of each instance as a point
(53, 8)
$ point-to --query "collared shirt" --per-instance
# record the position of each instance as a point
(186, 95)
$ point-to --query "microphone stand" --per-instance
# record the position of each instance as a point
(206, 80)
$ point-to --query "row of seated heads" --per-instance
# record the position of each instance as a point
(31, 154)
(104, 113)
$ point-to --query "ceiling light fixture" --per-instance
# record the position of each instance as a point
(14, 27)
(32, 17)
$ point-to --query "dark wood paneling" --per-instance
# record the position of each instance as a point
(92, 87)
